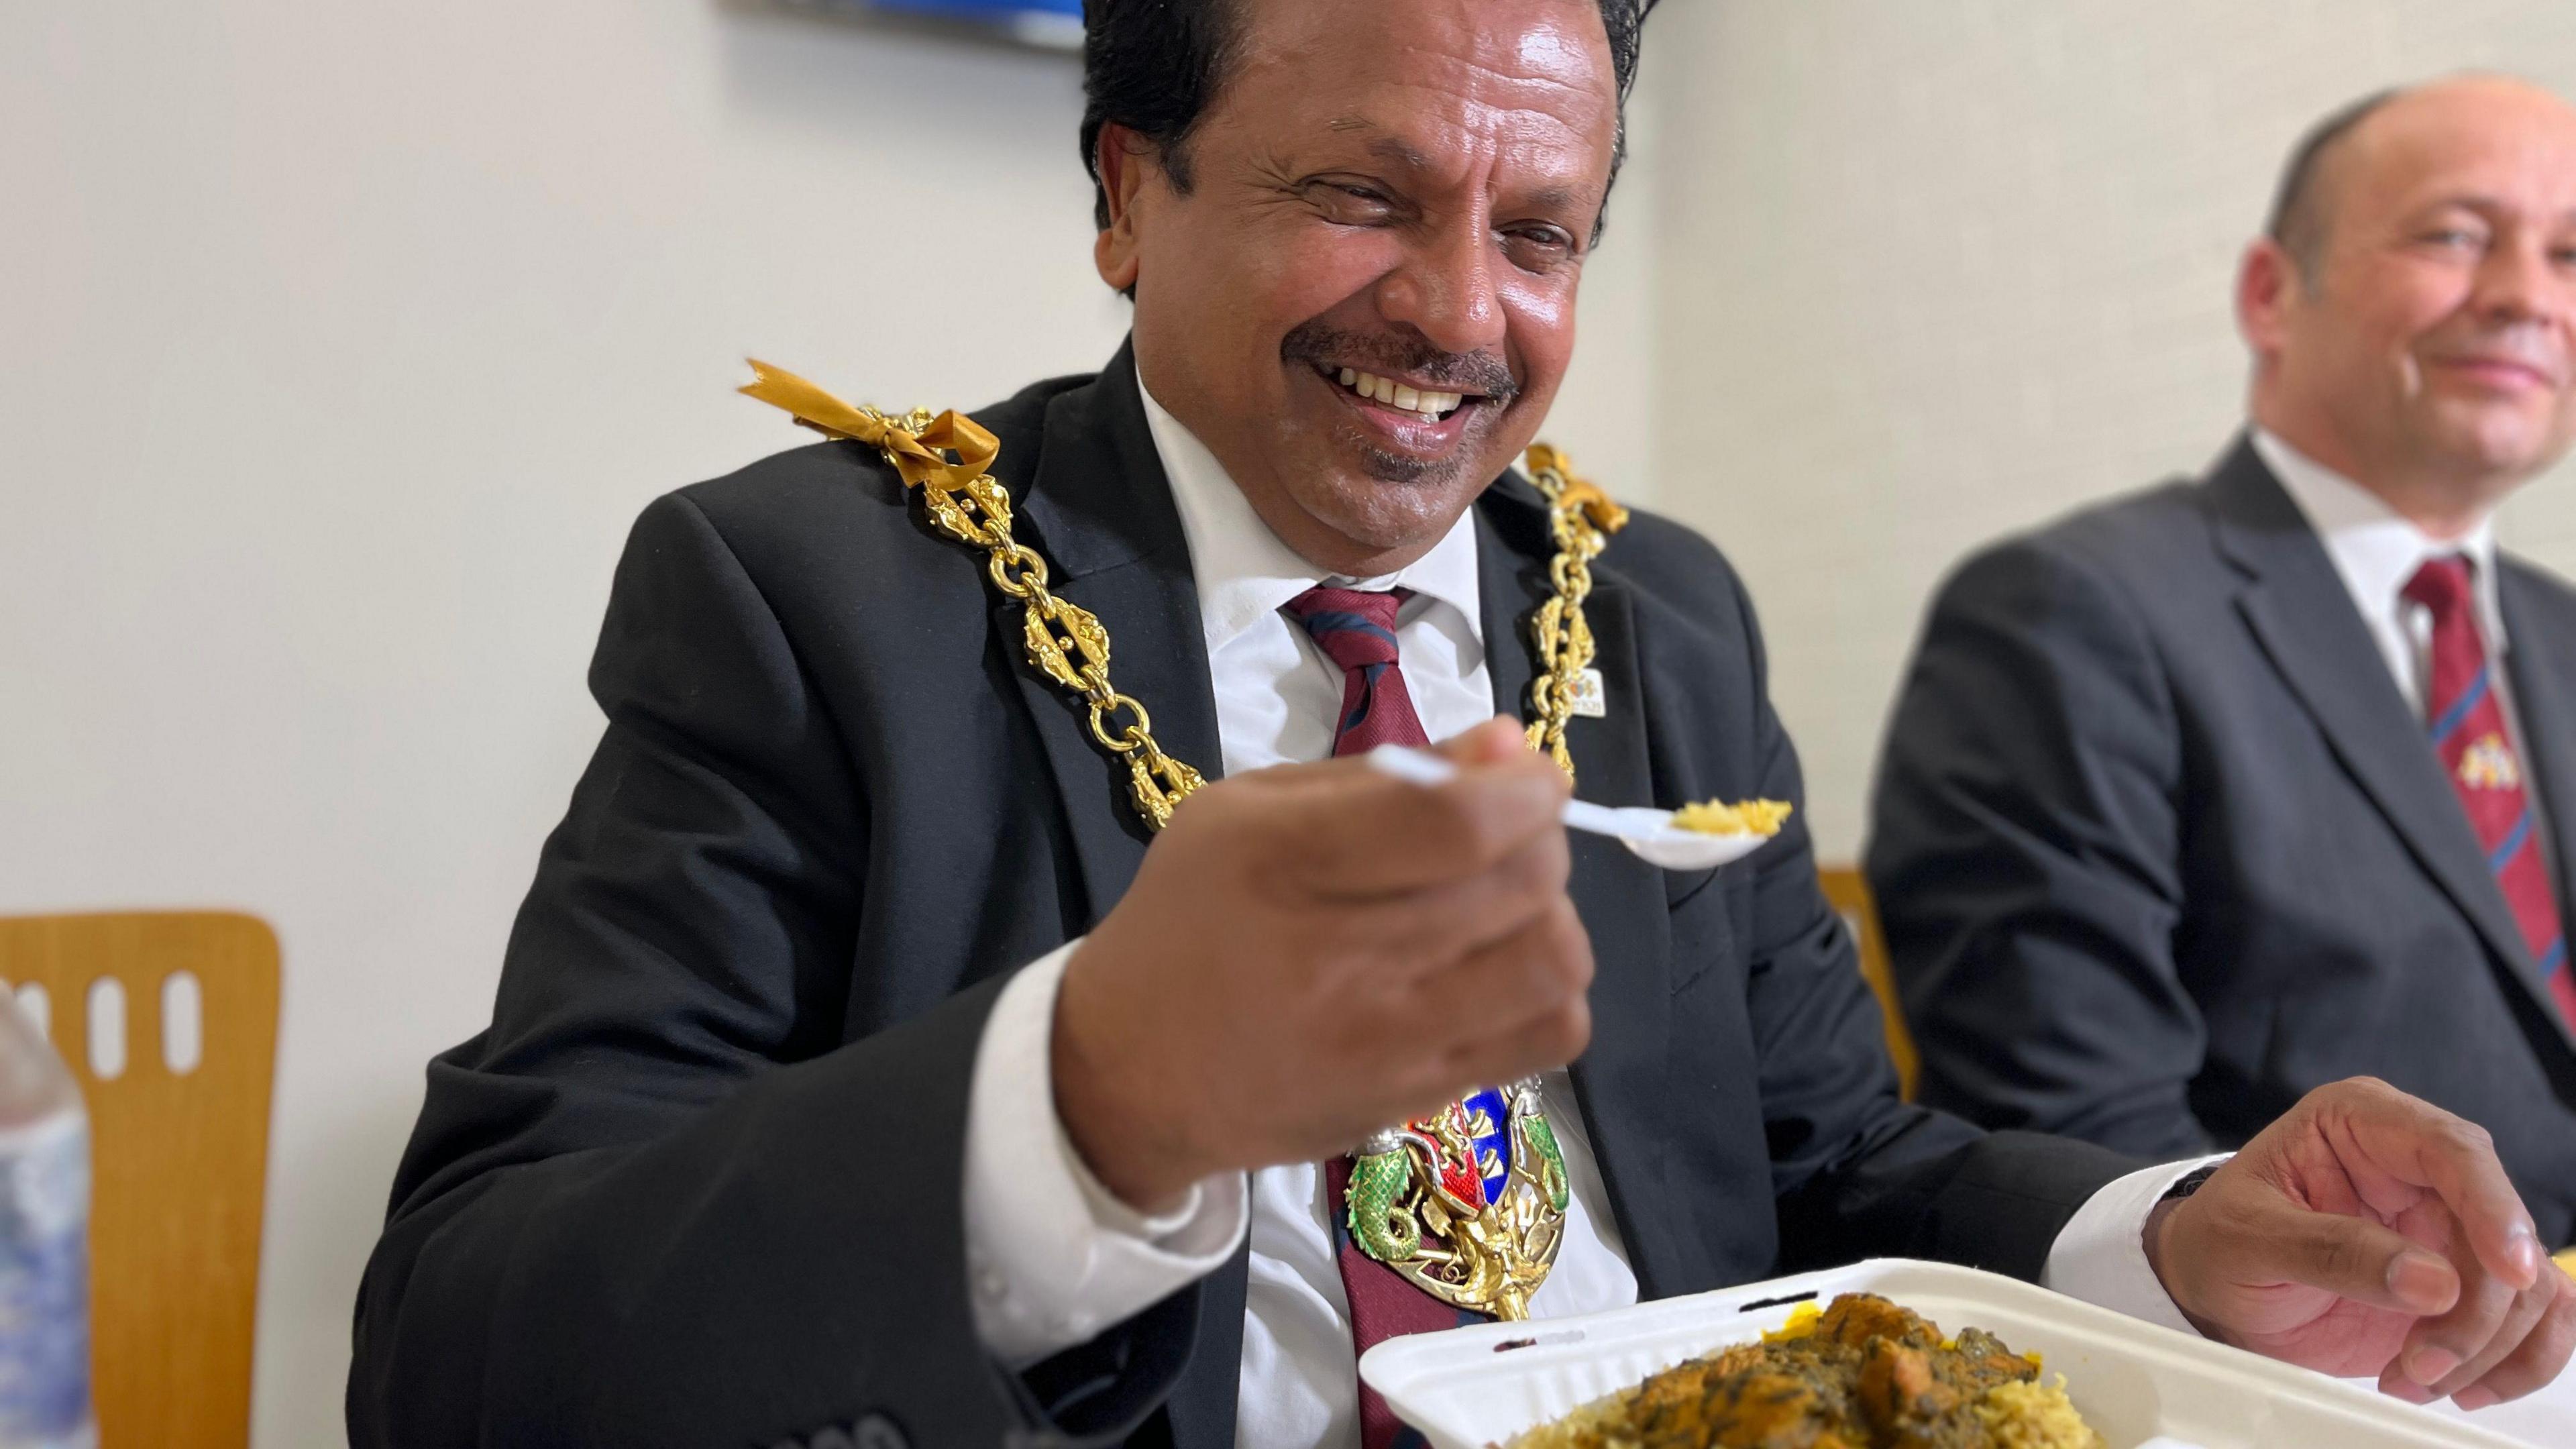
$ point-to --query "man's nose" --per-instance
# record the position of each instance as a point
(1445, 290)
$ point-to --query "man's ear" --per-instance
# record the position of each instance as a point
(2267, 287)
(1127, 166)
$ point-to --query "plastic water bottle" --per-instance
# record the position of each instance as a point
(44, 1245)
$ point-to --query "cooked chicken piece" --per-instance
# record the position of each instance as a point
(1856, 1318)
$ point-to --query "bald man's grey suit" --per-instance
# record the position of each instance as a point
(2160, 846)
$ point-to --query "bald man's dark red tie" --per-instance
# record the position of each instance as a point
(2466, 721)
(1356, 630)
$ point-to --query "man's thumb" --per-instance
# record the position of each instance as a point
(2357, 1259)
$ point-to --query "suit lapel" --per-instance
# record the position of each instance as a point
(2303, 616)
(2544, 700)
(1619, 1079)
(1101, 511)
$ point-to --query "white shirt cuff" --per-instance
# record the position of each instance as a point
(2100, 1255)
(1052, 1256)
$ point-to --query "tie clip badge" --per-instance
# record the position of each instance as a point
(2488, 764)
(1586, 698)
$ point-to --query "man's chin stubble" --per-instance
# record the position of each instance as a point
(1409, 472)
(1405, 470)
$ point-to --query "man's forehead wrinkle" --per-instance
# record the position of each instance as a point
(1461, 135)
(1523, 90)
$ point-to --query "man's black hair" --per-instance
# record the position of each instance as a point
(1154, 65)
(2300, 207)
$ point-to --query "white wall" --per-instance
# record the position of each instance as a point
(1936, 271)
(339, 343)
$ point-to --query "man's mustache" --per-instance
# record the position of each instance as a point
(1395, 354)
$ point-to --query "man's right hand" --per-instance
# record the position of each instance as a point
(1315, 952)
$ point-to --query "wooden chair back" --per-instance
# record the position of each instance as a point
(178, 1157)
(1848, 892)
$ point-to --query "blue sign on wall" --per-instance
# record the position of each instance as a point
(1039, 22)
(987, 9)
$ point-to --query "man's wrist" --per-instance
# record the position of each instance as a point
(2156, 1237)
(2152, 1236)
(1097, 1099)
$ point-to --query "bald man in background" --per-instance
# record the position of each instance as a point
(2210, 794)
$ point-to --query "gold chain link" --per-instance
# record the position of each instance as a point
(947, 458)
(1064, 641)
(1580, 519)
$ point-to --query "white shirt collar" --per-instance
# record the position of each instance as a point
(2374, 547)
(1245, 573)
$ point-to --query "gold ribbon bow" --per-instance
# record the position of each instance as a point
(921, 456)
(963, 500)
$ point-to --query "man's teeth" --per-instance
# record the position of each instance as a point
(1432, 405)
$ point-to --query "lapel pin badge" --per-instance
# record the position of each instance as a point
(1588, 698)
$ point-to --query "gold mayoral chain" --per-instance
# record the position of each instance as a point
(1421, 1198)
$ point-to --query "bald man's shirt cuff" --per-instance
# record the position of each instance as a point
(1052, 1256)
(2100, 1255)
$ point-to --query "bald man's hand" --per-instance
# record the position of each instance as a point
(1315, 952)
(2367, 1232)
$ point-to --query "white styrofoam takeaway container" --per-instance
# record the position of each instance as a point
(2140, 1386)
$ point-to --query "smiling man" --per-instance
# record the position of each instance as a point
(903, 1042)
(2212, 794)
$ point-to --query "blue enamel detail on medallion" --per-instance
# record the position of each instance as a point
(1494, 1144)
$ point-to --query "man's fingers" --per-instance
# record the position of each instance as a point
(1516, 1006)
(2472, 1183)
(1491, 743)
(1438, 925)
(1532, 971)
(2532, 1364)
(2456, 1159)
(1505, 1050)
(1542, 1043)
(2450, 1351)
(1354, 834)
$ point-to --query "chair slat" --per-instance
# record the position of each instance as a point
(178, 1163)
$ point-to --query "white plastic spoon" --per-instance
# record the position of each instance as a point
(1649, 833)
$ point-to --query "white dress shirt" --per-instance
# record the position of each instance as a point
(2377, 551)
(1054, 1257)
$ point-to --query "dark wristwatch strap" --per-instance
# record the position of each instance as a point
(2190, 1182)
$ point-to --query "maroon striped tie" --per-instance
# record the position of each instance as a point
(2467, 725)
(1356, 630)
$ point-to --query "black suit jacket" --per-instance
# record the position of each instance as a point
(698, 1183)
(2159, 844)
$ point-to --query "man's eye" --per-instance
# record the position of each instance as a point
(1350, 204)
(2454, 238)
(1537, 248)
